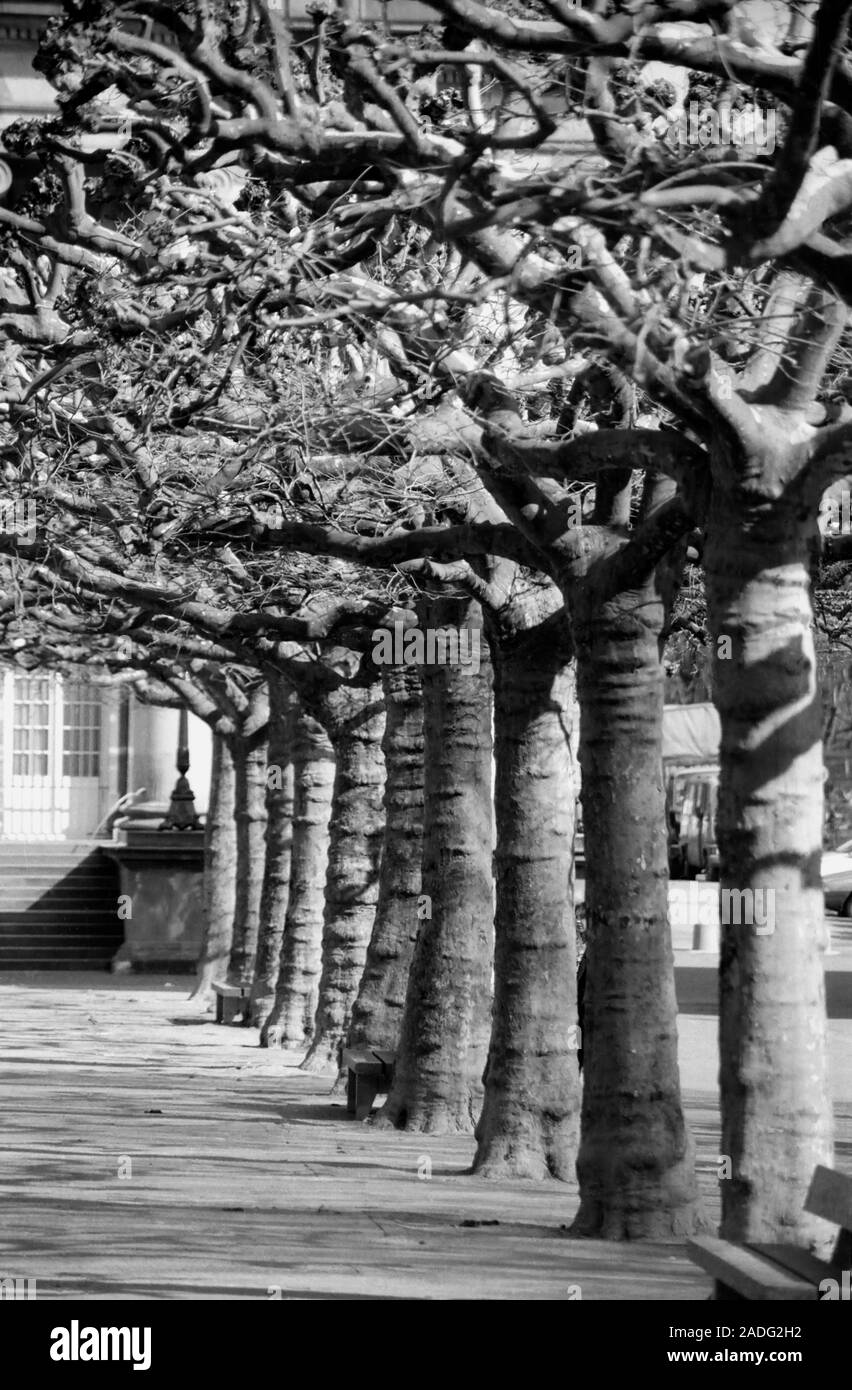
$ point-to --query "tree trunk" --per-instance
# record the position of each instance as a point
(250, 820)
(355, 721)
(776, 1111)
(291, 1021)
(437, 1085)
(529, 1126)
(278, 841)
(636, 1163)
(377, 1011)
(220, 873)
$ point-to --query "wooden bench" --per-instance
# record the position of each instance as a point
(230, 1001)
(783, 1272)
(369, 1073)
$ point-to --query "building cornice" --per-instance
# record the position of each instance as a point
(25, 23)
(21, 23)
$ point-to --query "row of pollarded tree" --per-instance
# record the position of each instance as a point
(347, 257)
(396, 880)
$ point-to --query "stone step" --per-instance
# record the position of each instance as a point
(56, 873)
(47, 909)
(90, 863)
(68, 873)
(98, 958)
(59, 945)
(65, 888)
(41, 945)
(93, 863)
(55, 852)
(78, 963)
(48, 905)
(58, 906)
(18, 924)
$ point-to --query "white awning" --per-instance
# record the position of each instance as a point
(691, 733)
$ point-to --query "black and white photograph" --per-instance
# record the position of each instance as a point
(426, 669)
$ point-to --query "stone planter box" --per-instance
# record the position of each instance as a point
(160, 873)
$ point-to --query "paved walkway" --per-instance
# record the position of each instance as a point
(149, 1153)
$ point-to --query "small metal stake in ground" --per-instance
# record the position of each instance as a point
(705, 935)
(181, 814)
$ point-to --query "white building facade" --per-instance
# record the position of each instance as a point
(69, 749)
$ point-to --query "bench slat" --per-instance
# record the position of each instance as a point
(750, 1275)
(361, 1062)
(797, 1261)
(830, 1196)
(233, 991)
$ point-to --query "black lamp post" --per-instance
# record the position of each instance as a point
(181, 814)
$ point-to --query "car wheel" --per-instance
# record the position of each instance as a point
(846, 909)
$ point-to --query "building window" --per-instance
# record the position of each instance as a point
(30, 727)
(81, 730)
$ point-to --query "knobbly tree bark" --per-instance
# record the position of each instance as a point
(290, 1022)
(220, 872)
(770, 467)
(529, 1126)
(636, 1163)
(437, 1085)
(238, 720)
(249, 754)
(377, 1011)
(776, 1110)
(354, 719)
(278, 845)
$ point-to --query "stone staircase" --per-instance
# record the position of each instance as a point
(58, 906)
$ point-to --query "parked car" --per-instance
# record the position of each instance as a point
(691, 797)
(837, 879)
(675, 789)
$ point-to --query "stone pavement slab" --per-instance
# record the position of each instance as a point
(148, 1153)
